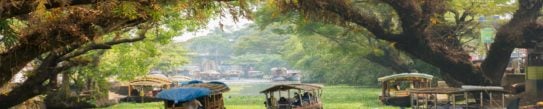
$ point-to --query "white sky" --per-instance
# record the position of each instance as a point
(229, 26)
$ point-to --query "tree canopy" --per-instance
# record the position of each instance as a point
(420, 29)
(57, 35)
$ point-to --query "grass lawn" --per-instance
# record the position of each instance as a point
(247, 96)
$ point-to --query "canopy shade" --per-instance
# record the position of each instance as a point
(306, 87)
(183, 94)
(405, 75)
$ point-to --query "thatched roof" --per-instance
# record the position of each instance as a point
(459, 90)
(215, 87)
(151, 80)
(306, 87)
(405, 76)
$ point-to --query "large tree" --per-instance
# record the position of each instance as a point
(422, 32)
(54, 33)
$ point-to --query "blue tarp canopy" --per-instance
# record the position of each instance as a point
(183, 94)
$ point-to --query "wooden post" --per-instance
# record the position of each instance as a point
(454, 101)
(129, 91)
(268, 99)
(490, 100)
(309, 97)
(411, 99)
(503, 100)
(383, 92)
(435, 101)
(279, 94)
(426, 100)
(467, 100)
(141, 95)
(416, 101)
(207, 106)
(288, 93)
(300, 97)
(481, 99)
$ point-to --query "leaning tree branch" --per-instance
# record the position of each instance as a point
(349, 13)
(106, 45)
(409, 12)
(34, 85)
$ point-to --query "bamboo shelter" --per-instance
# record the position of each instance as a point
(394, 87)
(155, 81)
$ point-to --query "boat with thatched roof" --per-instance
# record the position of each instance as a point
(209, 100)
(148, 86)
(394, 87)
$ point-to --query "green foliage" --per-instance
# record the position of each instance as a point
(128, 61)
(127, 9)
(172, 56)
(8, 34)
(261, 62)
(322, 62)
(129, 105)
(213, 45)
(483, 7)
(267, 41)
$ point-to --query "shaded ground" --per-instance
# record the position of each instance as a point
(247, 96)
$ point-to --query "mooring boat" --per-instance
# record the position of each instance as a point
(293, 96)
(394, 87)
(208, 95)
(466, 97)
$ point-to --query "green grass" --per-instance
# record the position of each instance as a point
(125, 105)
(247, 96)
